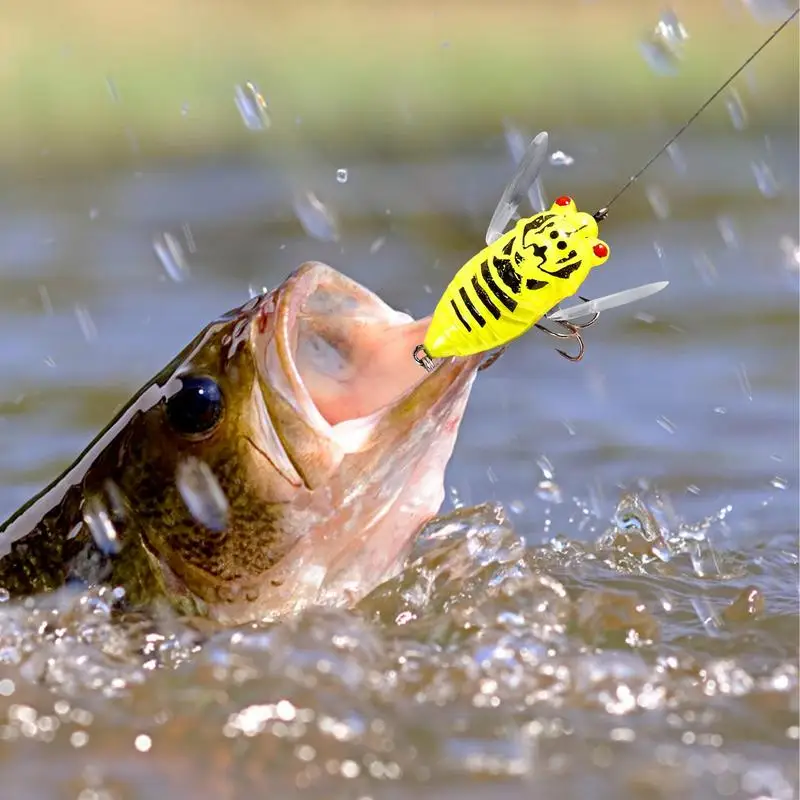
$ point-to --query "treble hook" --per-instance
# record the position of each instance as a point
(492, 358)
(574, 333)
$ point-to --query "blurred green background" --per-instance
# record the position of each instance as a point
(87, 81)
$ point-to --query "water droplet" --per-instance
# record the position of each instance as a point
(663, 48)
(707, 615)
(549, 491)
(202, 494)
(189, 237)
(736, 110)
(517, 145)
(116, 499)
(666, 424)
(112, 89)
(47, 303)
(86, 323)
(791, 252)
(779, 483)
(376, 245)
(677, 158)
(341, 175)
(455, 498)
(768, 11)
(101, 527)
(560, 159)
(658, 201)
(78, 739)
(744, 381)
(720, 410)
(765, 179)
(315, 217)
(546, 466)
(252, 107)
(705, 267)
(727, 231)
(170, 254)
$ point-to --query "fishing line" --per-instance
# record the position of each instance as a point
(603, 212)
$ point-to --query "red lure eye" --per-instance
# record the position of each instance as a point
(563, 201)
(600, 250)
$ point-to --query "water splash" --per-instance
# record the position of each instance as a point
(559, 158)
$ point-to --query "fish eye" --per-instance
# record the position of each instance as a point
(196, 408)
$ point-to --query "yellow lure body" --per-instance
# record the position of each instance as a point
(506, 288)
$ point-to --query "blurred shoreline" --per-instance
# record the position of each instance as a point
(91, 83)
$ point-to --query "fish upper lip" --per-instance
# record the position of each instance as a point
(277, 354)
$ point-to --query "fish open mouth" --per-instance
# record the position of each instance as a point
(343, 358)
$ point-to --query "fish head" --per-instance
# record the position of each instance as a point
(296, 451)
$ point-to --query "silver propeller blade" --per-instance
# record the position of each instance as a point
(528, 170)
(606, 302)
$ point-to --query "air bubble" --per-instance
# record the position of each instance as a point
(202, 494)
(341, 175)
(779, 483)
(252, 107)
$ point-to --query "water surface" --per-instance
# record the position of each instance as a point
(617, 618)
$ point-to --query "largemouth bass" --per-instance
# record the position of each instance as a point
(322, 441)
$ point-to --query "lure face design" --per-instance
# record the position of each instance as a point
(511, 284)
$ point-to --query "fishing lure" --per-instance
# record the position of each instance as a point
(522, 275)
